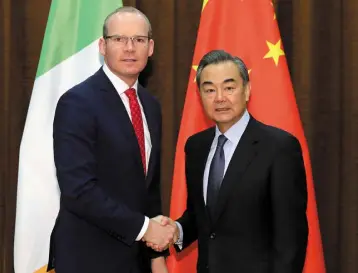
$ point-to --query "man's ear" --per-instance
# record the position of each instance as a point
(102, 46)
(151, 47)
(247, 91)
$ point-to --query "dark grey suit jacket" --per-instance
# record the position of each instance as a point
(260, 224)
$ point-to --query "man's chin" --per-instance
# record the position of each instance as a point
(132, 72)
(222, 119)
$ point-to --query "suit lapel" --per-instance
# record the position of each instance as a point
(154, 132)
(241, 159)
(116, 106)
(200, 157)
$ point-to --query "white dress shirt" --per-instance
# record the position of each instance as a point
(233, 136)
(121, 87)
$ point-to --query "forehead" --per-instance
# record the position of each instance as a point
(127, 23)
(218, 73)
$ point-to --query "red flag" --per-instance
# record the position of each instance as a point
(247, 29)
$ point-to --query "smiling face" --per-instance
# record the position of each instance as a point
(126, 60)
(223, 94)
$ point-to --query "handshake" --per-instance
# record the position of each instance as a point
(161, 233)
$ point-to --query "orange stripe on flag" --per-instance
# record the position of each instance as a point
(43, 270)
(245, 29)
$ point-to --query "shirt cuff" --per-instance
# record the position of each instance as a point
(144, 229)
(179, 243)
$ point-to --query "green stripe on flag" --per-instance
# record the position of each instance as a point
(72, 25)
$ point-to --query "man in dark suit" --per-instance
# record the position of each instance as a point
(246, 182)
(107, 138)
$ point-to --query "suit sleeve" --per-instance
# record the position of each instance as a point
(74, 153)
(289, 203)
(154, 192)
(187, 220)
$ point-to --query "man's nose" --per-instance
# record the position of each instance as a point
(219, 96)
(130, 45)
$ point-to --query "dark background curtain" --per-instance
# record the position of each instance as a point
(321, 45)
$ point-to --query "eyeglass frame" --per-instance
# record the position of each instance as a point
(127, 38)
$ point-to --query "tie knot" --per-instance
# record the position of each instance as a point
(221, 140)
(131, 94)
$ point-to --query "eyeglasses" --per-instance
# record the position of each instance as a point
(123, 40)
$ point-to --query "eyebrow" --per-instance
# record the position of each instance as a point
(207, 83)
(225, 81)
(229, 80)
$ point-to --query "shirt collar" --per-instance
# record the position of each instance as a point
(235, 132)
(117, 82)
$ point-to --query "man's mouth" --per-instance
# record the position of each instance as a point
(222, 109)
(129, 60)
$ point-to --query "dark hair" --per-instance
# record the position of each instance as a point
(221, 56)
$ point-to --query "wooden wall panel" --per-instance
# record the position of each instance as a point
(321, 46)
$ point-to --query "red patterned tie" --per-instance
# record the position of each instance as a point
(137, 121)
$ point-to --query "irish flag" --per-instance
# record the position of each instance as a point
(69, 55)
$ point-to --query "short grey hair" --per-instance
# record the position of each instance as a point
(221, 56)
(123, 10)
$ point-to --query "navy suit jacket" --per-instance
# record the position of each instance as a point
(104, 191)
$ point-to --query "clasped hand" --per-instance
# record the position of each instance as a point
(161, 233)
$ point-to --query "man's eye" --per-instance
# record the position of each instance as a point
(140, 40)
(118, 39)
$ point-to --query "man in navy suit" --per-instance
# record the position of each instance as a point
(107, 138)
(246, 182)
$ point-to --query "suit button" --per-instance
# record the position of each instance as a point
(212, 235)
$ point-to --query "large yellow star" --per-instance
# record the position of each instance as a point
(204, 4)
(275, 51)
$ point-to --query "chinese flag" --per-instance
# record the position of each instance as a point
(247, 29)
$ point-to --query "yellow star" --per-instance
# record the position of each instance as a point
(275, 51)
(195, 67)
(204, 4)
